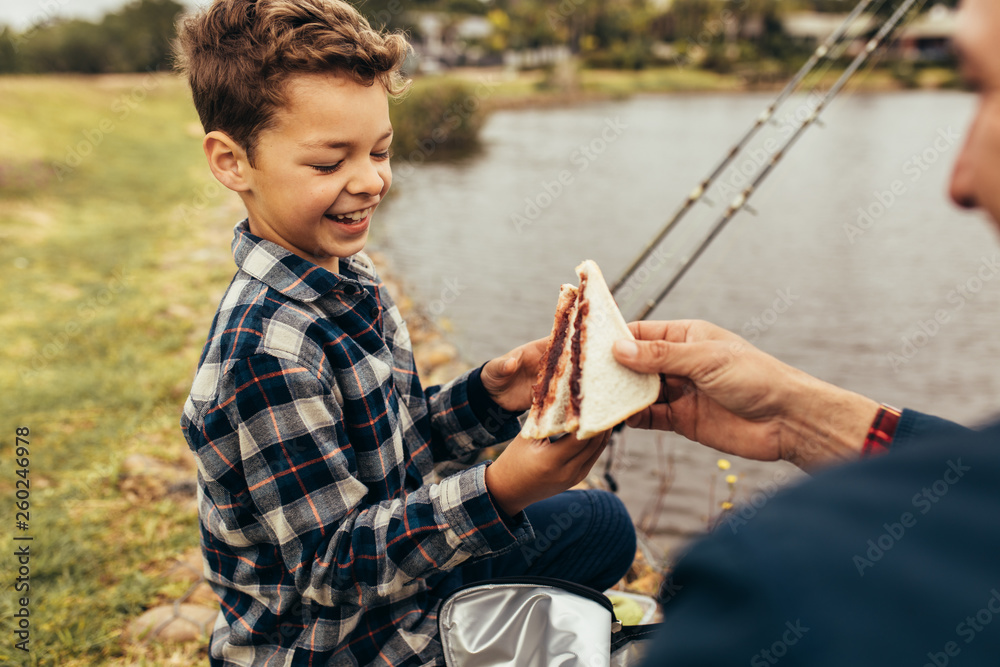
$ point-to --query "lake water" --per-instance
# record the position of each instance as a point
(487, 241)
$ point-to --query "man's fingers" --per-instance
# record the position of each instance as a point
(660, 356)
(679, 331)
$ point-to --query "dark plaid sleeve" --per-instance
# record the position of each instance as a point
(464, 418)
(915, 426)
(277, 443)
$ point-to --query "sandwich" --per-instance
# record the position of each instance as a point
(581, 388)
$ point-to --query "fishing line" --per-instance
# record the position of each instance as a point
(742, 200)
(731, 245)
(820, 54)
(817, 78)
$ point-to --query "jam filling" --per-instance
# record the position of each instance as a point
(552, 355)
(576, 358)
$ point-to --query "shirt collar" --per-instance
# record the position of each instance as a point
(293, 276)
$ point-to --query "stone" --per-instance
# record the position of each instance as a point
(438, 355)
(186, 567)
(203, 595)
(174, 623)
(146, 478)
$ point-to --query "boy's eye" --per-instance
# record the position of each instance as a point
(384, 155)
(326, 168)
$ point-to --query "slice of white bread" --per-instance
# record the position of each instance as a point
(609, 392)
(578, 362)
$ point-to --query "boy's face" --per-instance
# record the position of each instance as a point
(323, 167)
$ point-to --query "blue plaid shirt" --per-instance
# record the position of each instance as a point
(323, 537)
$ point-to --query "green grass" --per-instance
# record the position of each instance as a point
(656, 80)
(109, 292)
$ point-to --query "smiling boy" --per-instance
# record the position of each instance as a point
(321, 170)
(323, 536)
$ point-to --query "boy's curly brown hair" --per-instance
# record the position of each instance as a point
(238, 55)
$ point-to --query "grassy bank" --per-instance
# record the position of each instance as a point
(535, 89)
(113, 244)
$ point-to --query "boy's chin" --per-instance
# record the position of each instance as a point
(347, 249)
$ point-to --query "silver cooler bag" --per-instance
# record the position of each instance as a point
(536, 622)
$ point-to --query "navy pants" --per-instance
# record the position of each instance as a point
(582, 536)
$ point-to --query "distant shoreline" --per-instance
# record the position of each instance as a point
(526, 90)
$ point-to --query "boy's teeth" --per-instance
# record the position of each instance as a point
(357, 215)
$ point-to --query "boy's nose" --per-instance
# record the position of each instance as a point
(961, 187)
(366, 179)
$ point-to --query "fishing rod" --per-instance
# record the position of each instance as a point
(821, 52)
(741, 201)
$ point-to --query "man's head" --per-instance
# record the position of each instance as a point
(975, 182)
(293, 96)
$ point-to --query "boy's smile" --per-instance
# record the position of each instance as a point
(321, 169)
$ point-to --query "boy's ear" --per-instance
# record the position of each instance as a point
(227, 160)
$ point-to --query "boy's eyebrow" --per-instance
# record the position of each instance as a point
(340, 144)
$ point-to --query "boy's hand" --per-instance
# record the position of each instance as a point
(508, 379)
(532, 470)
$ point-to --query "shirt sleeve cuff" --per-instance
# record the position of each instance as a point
(882, 431)
(499, 424)
(484, 407)
(475, 519)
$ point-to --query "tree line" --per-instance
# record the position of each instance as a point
(609, 33)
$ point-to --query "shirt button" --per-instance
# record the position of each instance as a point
(350, 290)
(375, 312)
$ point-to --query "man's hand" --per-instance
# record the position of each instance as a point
(508, 379)
(723, 392)
(531, 470)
